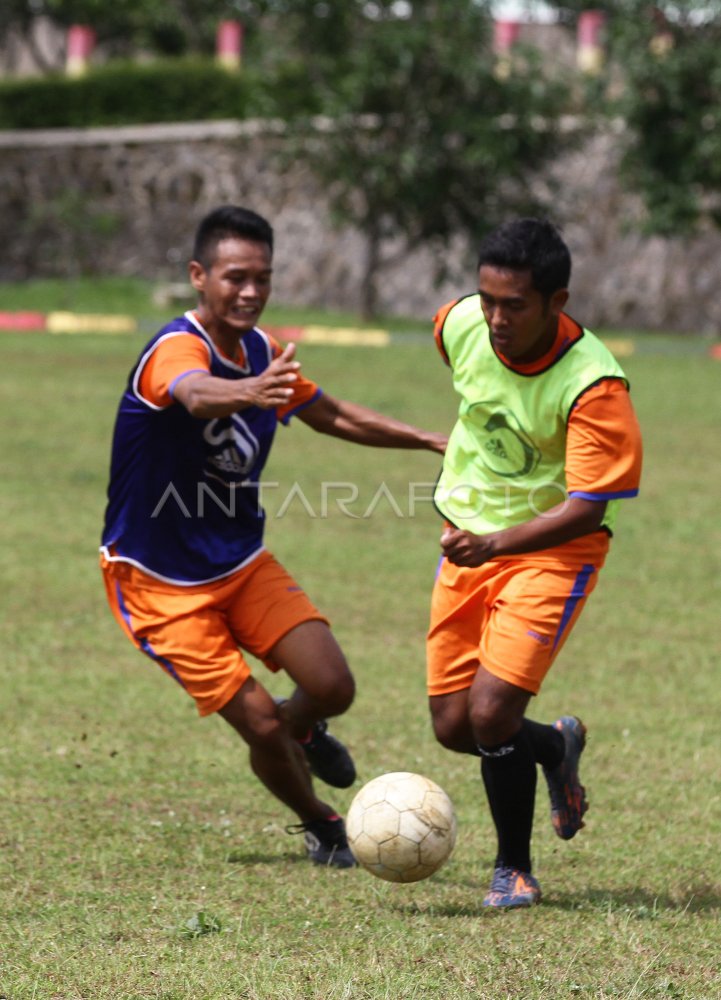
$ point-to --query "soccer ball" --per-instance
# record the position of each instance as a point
(401, 827)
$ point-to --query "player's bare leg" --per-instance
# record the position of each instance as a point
(451, 722)
(312, 658)
(325, 687)
(279, 762)
(275, 757)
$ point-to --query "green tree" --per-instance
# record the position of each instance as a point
(671, 103)
(420, 136)
(666, 70)
(398, 105)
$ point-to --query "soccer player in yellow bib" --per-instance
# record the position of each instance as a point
(545, 446)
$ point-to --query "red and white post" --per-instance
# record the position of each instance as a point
(505, 36)
(229, 44)
(80, 45)
(590, 54)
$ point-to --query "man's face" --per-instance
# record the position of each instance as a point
(235, 288)
(522, 322)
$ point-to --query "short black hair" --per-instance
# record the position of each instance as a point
(533, 245)
(224, 223)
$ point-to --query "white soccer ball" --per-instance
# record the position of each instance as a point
(401, 827)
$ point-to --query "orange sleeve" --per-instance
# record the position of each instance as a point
(172, 358)
(438, 320)
(603, 447)
(304, 390)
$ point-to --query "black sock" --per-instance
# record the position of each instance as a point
(509, 776)
(546, 742)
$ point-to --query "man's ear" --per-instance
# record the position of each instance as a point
(196, 273)
(558, 300)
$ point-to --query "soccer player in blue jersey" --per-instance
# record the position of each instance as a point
(186, 572)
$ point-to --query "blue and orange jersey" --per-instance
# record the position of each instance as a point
(184, 495)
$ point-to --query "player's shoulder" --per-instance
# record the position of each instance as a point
(179, 330)
(465, 313)
(175, 342)
(442, 314)
(587, 347)
(187, 323)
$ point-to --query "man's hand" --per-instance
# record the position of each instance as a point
(573, 518)
(463, 548)
(206, 396)
(273, 387)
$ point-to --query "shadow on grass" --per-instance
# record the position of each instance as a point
(636, 904)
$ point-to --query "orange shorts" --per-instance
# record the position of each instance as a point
(512, 616)
(195, 632)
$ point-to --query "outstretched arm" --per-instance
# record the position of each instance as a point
(206, 396)
(568, 520)
(357, 423)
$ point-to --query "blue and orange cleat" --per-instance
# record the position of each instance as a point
(568, 796)
(512, 888)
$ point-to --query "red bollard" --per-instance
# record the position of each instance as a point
(505, 36)
(81, 42)
(590, 54)
(229, 44)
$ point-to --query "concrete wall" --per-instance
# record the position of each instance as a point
(126, 201)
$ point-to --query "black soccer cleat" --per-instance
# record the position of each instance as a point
(327, 758)
(326, 842)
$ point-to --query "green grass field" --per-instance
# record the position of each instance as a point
(140, 859)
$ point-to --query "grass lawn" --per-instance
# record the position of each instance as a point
(139, 858)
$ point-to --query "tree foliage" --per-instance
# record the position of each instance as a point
(664, 83)
(445, 143)
(398, 105)
(671, 103)
(423, 138)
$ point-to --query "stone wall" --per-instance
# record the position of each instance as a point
(126, 201)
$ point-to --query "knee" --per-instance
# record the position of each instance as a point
(451, 729)
(310, 655)
(336, 693)
(491, 724)
(268, 735)
(449, 736)
(340, 695)
(343, 693)
(254, 716)
(262, 731)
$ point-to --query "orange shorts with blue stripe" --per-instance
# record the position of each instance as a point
(511, 616)
(197, 633)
